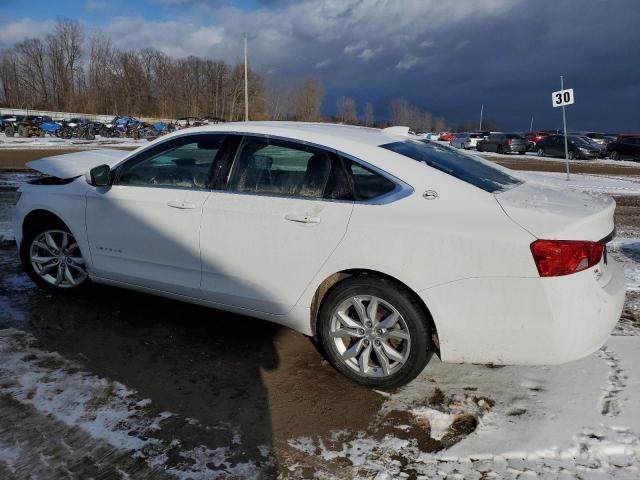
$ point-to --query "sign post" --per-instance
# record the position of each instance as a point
(563, 98)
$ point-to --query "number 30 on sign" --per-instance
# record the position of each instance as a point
(562, 97)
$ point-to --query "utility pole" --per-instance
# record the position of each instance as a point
(531, 125)
(246, 82)
(564, 126)
(481, 111)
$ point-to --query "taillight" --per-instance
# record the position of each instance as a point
(508, 141)
(555, 258)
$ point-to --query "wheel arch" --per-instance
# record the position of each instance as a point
(41, 216)
(335, 279)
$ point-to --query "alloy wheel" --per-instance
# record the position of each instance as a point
(370, 336)
(56, 258)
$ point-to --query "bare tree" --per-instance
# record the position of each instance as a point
(368, 117)
(308, 99)
(347, 110)
(32, 73)
(64, 49)
(400, 112)
(440, 125)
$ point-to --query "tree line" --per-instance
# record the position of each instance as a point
(68, 71)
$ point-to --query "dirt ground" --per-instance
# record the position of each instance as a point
(16, 159)
(226, 379)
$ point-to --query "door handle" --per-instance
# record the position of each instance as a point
(301, 218)
(181, 204)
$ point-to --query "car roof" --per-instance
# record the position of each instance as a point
(323, 133)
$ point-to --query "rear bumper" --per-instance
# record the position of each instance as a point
(527, 321)
(518, 148)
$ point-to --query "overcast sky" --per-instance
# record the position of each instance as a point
(448, 57)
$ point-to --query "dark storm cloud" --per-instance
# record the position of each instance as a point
(448, 57)
(511, 63)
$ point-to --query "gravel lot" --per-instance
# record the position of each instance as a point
(117, 384)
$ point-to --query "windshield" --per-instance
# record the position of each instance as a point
(462, 166)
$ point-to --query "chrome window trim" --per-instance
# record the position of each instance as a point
(401, 190)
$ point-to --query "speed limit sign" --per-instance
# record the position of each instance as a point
(562, 98)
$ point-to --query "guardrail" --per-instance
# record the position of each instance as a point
(68, 115)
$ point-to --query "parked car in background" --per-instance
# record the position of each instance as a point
(627, 148)
(466, 140)
(600, 138)
(446, 136)
(534, 137)
(493, 278)
(622, 136)
(553, 146)
(9, 120)
(29, 126)
(602, 147)
(503, 143)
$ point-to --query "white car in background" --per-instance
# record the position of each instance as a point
(384, 247)
(466, 141)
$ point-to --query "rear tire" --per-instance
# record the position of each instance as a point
(571, 155)
(522, 153)
(51, 257)
(9, 131)
(540, 152)
(499, 150)
(374, 332)
(614, 155)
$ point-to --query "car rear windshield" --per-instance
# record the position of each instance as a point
(459, 165)
(513, 135)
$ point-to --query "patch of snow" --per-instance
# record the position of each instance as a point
(609, 184)
(6, 232)
(52, 143)
(109, 411)
(627, 251)
(577, 420)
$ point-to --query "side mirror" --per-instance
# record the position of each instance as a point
(99, 176)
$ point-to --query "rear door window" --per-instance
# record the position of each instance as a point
(275, 167)
(462, 166)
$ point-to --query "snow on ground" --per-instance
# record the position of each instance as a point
(576, 420)
(531, 155)
(52, 143)
(116, 416)
(607, 184)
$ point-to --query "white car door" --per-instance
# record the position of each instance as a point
(285, 209)
(144, 229)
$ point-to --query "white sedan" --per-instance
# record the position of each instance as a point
(384, 247)
(466, 140)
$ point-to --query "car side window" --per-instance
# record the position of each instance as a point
(184, 162)
(269, 166)
(368, 184)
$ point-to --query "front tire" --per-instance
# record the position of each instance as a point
(374, 332)
(614, 155)
(51, 257)
(571, 155)
(541, 152)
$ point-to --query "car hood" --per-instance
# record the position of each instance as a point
(72, 165)
(556, 213)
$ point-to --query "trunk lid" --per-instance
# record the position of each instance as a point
(553, 213)
(70, 165)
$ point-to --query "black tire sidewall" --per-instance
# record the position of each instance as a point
(25, 259)
(421, 344)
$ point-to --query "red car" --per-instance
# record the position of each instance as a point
(534, 137)
(622, 136)
(447, 136)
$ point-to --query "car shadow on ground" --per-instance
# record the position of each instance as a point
(252, 384)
